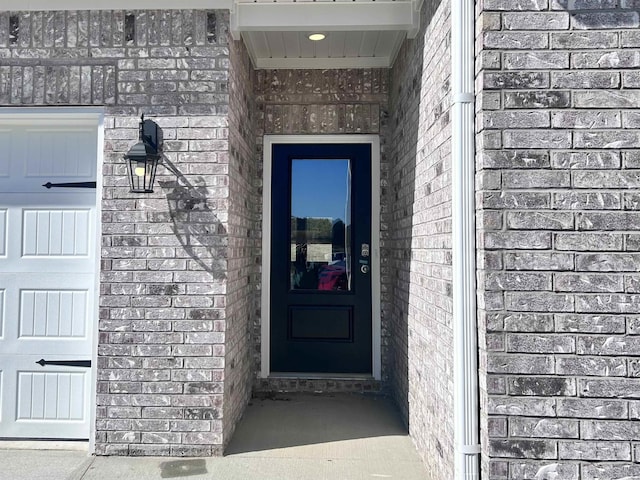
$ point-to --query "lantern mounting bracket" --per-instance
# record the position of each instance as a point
(149, 133)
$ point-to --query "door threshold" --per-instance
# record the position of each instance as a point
(320, 376)
(77, 445)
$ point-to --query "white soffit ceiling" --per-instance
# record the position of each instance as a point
(359, 33)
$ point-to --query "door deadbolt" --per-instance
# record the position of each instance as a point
(364, 269)
(364, 250)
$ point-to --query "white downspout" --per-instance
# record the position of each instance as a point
(466, 411)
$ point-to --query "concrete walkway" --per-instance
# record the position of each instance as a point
(281, 437)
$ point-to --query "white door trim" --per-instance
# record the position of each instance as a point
(269, 141)
(90, 116)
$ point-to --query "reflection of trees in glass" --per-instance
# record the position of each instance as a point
(318, 254)
(311, 230)
(320, 231)
(337, 236)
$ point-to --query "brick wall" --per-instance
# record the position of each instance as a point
(297, 102)
(243, 272)
(165, 275)
(418, 243)
(557, 171)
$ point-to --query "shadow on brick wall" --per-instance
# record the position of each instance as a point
(418, 242)
(194, 222)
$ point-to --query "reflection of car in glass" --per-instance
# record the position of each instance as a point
(333, 276)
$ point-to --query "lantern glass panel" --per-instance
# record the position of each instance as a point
(142, 172)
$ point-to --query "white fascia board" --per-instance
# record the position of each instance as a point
(251, 49)
(321, 16)
(323, 63)
(413, 31)
(119, 4)
(396, 49)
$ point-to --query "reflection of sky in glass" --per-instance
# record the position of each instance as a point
(319, 188)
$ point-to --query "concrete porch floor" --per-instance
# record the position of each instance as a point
(281, 437)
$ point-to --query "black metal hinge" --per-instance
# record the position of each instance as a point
(71, 185)
(65, 363)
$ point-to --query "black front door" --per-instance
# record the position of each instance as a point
(321, 258)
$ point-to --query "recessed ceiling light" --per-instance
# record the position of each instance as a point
(316, 37)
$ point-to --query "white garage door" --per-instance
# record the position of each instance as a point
(47, 277)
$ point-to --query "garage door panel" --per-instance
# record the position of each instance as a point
(53, 313)
(50, 395)
(47, 402)
(42, 198)
(3, 231)
(2, 312)
(46, 347)
(38, 155)
(56, 232)
(59, 153)
(48, 264)
(5, 146)
(46, 239)
(45, 319)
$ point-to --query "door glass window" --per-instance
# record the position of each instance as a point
(320, 225)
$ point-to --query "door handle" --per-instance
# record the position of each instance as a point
(364, 250)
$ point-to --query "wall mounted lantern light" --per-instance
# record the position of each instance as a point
(143, 157)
